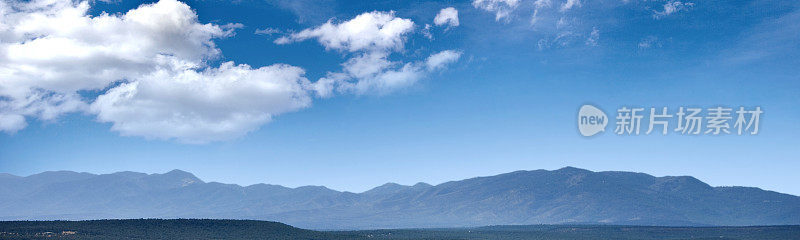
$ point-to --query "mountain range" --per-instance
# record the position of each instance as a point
(564, 196)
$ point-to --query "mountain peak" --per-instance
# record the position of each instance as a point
(391, 185)
(178, 172)
(177, 176)
(422, 185)
(569, 169)
(314, 188)
(392, 188)
(387, 188)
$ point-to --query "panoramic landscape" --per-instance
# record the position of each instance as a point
(568, 203)
(248, 229)
(564, 196)
(399, 119)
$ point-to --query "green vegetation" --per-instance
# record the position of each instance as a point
(246, 229)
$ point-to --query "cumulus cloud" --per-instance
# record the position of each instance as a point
(55, 45)
(368, 40)
(52, 49)
(672, 7)
(153, 61)
(501, 8)
(150, 68)
(447, 16)
(201, 106)
(367, 31)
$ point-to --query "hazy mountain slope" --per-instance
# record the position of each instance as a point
(568, 195)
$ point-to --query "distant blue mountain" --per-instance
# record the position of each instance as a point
(568, 195)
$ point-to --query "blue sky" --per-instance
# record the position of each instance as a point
(505, 99)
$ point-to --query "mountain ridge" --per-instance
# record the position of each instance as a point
(566, 195)
(567, 168)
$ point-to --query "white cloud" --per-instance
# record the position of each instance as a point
(37, 103)
(569, 4)
(12, 123)
(51, 49)
(447, 16)
(672, 7)
(150, 67)
(367, 64)
(374, 73)
(383, 79)
(367, 31)
(201, 106)
(501, 8)
(386, 81)
(557, 24)
(369, 39)
(426, 31)
(439, 60)
(54, 45)
(267, 31)
(153, 59)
